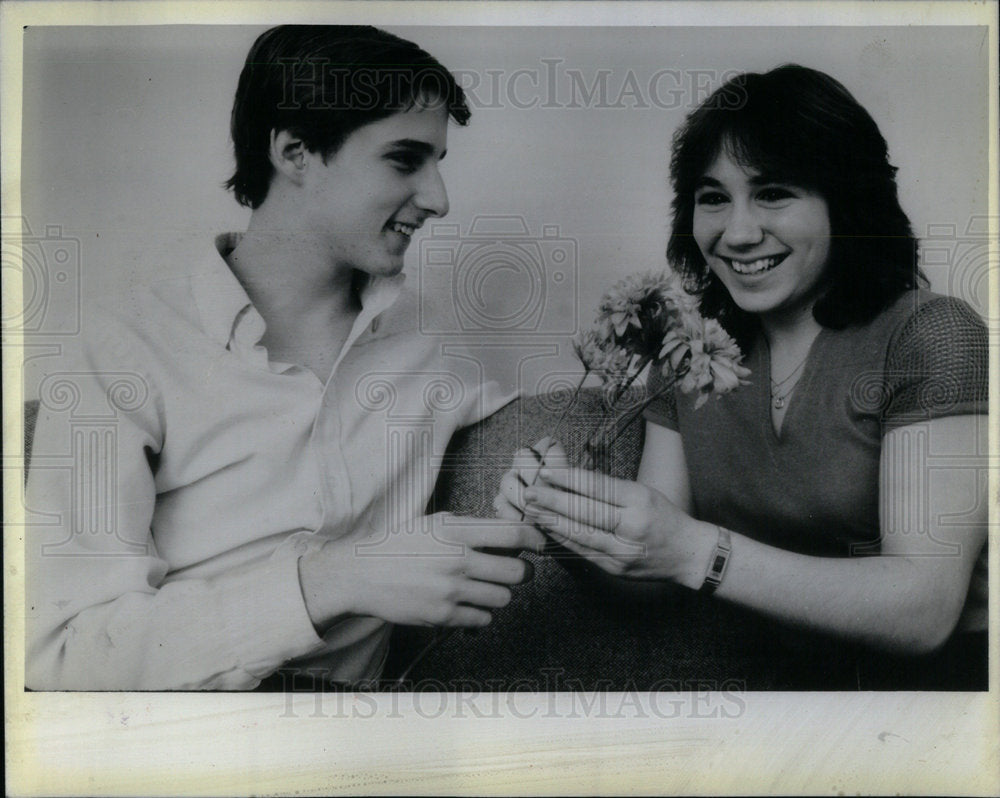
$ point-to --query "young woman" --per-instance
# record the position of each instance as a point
(840, 492)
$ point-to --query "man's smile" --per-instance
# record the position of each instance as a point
(406, 229)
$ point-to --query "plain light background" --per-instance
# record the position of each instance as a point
(125, 148)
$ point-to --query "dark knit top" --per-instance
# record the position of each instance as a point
(814, 488)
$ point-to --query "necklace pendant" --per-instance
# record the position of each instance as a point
(779, 402)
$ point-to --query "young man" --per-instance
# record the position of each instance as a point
(272, 416)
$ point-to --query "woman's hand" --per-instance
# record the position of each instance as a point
(509, 502)
(625, 528)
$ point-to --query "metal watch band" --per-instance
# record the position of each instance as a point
(720, 559)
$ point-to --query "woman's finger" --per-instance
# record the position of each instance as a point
(594, 484)
(564, 529)
(574, 506)
(590, 537)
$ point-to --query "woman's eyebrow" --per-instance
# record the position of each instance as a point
(707, 182)
(769, 179)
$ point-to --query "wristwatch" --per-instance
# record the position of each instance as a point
(720, 559)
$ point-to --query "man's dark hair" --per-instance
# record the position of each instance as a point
(800, 126)
(321, 83)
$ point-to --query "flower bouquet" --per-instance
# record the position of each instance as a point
(650, 320)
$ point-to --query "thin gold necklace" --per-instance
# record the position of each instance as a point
(778, 399)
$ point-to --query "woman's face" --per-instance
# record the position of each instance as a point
(767, 241)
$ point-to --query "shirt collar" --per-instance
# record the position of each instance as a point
(222, 302)
(218, 295)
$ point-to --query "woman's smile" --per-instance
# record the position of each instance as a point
(758, 265)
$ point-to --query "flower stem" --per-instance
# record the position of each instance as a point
(555, 432)
(623, 388)
(620, 426)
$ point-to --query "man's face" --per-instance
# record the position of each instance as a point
(369, 198)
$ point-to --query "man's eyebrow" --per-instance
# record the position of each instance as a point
(416, 145)
(707, 182)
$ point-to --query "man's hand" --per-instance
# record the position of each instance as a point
(435, 572)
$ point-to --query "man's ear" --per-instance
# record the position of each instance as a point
(288, 155)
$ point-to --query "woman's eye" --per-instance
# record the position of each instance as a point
(775, 194)
(711, 198)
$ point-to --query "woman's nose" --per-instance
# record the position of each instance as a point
(743, 228)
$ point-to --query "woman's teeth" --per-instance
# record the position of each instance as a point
(755, 266)
(405, 229)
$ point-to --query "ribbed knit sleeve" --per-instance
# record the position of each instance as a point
(937, 365)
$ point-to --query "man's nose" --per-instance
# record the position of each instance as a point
(432, 196)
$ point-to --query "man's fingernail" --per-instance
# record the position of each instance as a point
(530, 495)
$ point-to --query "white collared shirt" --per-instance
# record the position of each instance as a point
(178, 475)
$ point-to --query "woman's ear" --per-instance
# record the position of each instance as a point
(287, 154)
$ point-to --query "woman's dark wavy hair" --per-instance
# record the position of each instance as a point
(321, 83)
(800, 126)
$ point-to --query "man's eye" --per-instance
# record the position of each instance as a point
(405, 162)
(711, 198)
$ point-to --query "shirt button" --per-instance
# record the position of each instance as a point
(375, 325)
(301, 547)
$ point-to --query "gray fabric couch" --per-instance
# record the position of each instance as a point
(571, 628)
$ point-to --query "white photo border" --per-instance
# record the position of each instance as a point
(173, 744)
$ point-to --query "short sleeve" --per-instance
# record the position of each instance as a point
(663, 409)
(937, 365)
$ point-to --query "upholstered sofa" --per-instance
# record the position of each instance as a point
(571, 628)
